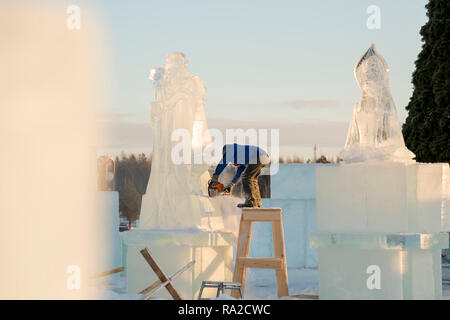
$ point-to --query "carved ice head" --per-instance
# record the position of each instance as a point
(176, 60)
(371, 70)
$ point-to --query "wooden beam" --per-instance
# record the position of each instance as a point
(259, 214)
(151, 287)
(243, 247)
(280, 252)
(160, 274)
(107, 273)
(261, 209)
(169, 280)
(261, 263)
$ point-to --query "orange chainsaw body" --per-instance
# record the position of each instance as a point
(215, 189)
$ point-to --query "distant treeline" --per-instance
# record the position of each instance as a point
(133, 172)
(297, 159)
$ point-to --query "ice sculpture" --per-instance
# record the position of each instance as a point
(179, 223)
(383, 221)
(374, 132)
(176, 194)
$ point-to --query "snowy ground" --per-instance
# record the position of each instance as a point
(261, 284)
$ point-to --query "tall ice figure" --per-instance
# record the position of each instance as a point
(176, 195)
(179, 223)
(374, 131)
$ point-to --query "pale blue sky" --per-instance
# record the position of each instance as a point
(285, 64)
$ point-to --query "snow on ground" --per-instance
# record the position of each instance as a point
(114, 288)
(260, 284)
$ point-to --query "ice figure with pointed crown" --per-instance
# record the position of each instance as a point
(176, 195)
(374, 132)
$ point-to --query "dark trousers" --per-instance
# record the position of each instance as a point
(250, 184)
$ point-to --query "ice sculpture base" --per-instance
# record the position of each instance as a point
(208, 216)
(383, 197)
(409, 265)
(173, 249)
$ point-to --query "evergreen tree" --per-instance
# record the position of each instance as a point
(130, 201)
(427, 126)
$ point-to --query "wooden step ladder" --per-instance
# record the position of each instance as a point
(278, 262)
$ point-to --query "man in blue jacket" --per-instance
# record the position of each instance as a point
(250, 161)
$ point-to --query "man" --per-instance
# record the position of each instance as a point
(250, 160)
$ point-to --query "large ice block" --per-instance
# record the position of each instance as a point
(383, 197)
(294, 181)
(212, 252)
(408, 266)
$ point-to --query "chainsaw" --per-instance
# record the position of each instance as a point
(216, 189)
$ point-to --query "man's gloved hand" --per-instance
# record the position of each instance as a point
(229, 188)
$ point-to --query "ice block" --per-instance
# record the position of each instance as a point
(383, 197)
(408, 265)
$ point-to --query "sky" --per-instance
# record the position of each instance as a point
(265, 64)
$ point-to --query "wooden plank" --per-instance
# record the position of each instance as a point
(109, 272)
(149, 297)
(278, 240)
(262, 216)
(160, 284)
(160, 274)
(239, 275)
(243, 247)
(261, 209)
(151, 287)
(279, 252)
(261, 263)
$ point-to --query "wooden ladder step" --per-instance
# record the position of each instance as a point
(261, 263)
(260, 214)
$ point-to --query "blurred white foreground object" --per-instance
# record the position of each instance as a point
(50, 84)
